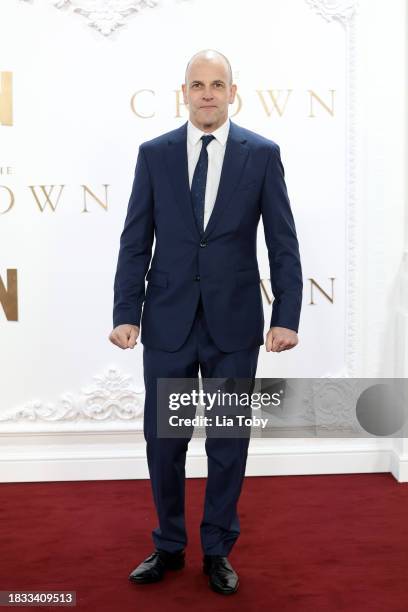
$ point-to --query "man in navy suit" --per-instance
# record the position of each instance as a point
(200, 190)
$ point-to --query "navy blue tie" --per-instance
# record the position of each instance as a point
(199, 182)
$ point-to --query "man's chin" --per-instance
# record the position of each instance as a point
(209, 121)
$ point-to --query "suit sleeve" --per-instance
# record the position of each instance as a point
(283, 248)
(135, 249)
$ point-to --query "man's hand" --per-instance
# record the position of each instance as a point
(124, 336)
(280, 339)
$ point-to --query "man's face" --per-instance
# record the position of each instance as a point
(208, 93)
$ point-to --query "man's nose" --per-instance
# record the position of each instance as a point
(207, 95)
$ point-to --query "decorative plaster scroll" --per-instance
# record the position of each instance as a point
(332, 404)
(105, 16)
(334, 10)
(112, 398)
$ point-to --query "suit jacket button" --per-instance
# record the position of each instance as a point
(203, 243)
(197, 278)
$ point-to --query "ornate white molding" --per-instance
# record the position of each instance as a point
(112, 398)
(330, 403)
(105, 16)
(344, 12)
(334, 10)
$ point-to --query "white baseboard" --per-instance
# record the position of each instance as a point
(399, 467)
(120, 455)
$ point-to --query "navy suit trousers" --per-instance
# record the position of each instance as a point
(226, 457)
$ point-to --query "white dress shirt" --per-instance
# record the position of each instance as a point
(216, 151)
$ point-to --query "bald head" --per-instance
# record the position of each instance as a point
(209, 55)
(208, 89)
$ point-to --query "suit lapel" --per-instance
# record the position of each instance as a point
(236, 153)
(235, 157)
(177, 162)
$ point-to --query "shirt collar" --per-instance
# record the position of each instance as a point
(221, 134)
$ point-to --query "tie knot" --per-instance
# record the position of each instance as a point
(207, 139)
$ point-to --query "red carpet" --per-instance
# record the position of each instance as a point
(308, 543)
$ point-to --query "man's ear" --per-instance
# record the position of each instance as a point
(233, 94)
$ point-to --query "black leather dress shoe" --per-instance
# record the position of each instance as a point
(222, 577)
(153, 568)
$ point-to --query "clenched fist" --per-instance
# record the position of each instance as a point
(281, 339)
(125, 336)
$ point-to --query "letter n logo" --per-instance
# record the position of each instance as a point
(9, 295)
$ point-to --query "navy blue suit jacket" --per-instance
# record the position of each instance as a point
(222, 265)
